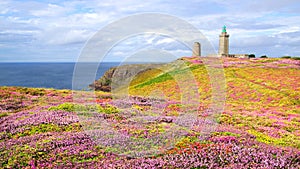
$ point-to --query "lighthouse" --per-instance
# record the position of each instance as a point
(223, 43)
(223, 47)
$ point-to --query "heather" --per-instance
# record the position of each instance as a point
(258, 127)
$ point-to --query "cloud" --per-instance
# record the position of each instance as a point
(165, 41)
(51, 10)
(65, 37)
(255, 6)
(56, 27)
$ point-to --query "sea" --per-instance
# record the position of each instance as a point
(45, 75)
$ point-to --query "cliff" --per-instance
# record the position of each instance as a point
(120, 75)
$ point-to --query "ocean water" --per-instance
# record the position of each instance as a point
(44, 75)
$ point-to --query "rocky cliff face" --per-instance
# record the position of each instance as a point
(103, 84)
(120, 76)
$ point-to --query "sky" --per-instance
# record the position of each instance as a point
(58, 30)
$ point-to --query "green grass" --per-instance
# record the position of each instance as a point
(285, 140)
(43, 128)
(166, 76)
(71, 107)
(159, 79)
(225, 133)
(3, 115)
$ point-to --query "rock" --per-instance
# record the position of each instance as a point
(121, 75)
(166, 119)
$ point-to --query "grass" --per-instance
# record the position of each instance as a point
(71, 107)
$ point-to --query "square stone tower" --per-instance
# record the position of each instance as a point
(224, 43)
(197, 49)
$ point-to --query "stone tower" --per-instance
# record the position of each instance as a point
(197, 49)
(224, 43)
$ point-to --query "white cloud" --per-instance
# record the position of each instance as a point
(51, 10)
(62, 25)
(149, 38)
(23, 32)
(290, 29)
(64, 37)
(181, 52)
(165, 41)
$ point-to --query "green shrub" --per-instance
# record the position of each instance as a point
(41, 128)
(69, 107)
(285, 140)
(264, 56)
(286, 57)
(296, 58)
(109, 109)
(32, 91)
(3, 114)
(251, 56)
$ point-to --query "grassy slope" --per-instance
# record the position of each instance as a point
(262, 97)
(39, 127)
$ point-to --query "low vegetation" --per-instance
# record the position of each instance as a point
(155, 126)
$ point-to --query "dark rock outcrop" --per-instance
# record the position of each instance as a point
(103, 84)
(120, 75)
